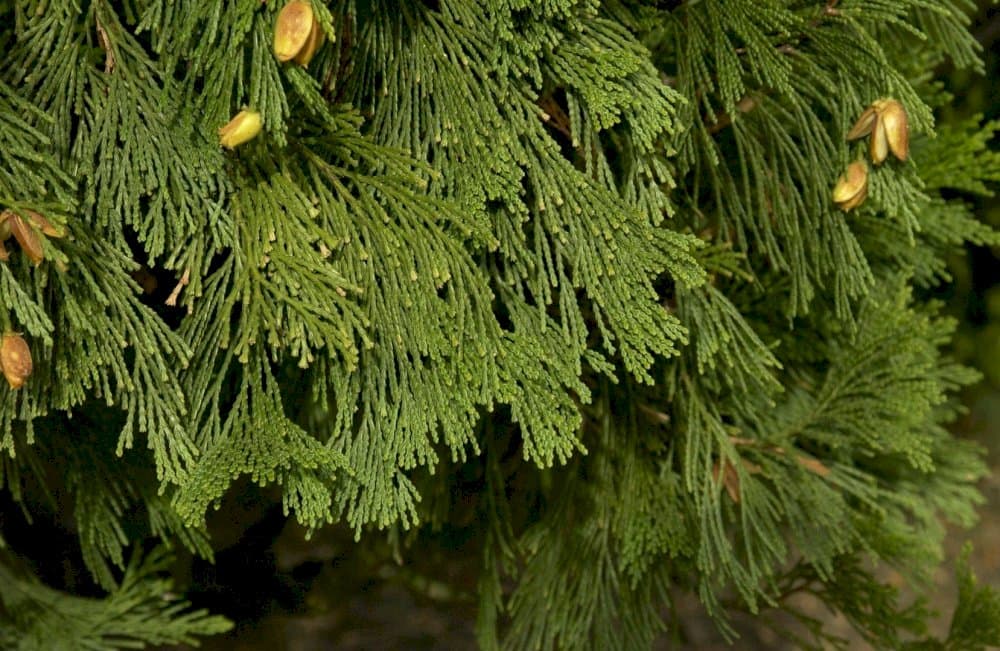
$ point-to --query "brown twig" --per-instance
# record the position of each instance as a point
(105, 43)
(185, 279)
(555, 116)
(723, 119)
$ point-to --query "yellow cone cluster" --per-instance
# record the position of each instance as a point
(852, 187)
(245, 126)
(29, 232)
(885, 120)
(297, 34)
(15, 359)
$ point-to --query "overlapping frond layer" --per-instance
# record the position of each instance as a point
(587, 247)
(139, 610)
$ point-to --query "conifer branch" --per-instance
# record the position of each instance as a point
(457, 249)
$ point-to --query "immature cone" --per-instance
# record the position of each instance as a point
(240, 129)
(291, 31)
(15, 359)
(852, 186)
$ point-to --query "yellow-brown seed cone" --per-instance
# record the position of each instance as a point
(312, 44)
(292, 29)
(864, 124)
(896, 127)
(15, 359)
(245, 126)
(878, 146)
(856, 201)
(852, 187)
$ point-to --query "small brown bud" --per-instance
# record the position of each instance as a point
(313, 43)
(27, 237)
(26, 232)
(242, 128)
(40, 222)
(15, 359)
(852, 187)
(813, 465)
(291, 30)
(730, 479)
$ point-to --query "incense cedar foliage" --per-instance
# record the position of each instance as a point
(582, 252)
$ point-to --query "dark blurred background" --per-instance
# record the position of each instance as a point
(329, 593)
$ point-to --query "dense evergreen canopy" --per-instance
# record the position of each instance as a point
(585, 253)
